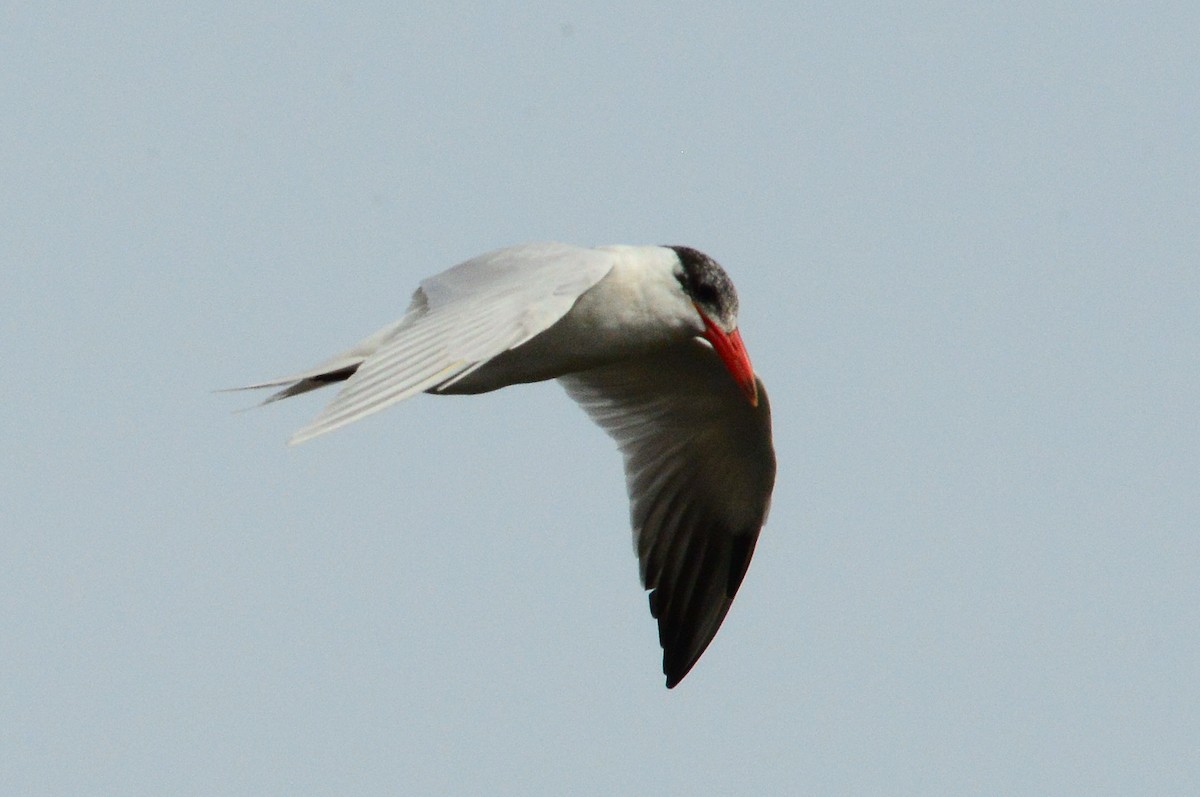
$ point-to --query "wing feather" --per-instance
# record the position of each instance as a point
(458, 321)
(700, 469)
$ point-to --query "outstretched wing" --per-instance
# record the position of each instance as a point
(700, 468)
(457, 322)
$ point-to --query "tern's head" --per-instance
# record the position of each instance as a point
(708, 286)
(715, 299)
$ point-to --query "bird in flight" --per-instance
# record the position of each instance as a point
(645, 339)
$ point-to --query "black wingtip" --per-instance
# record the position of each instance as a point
(676, 670)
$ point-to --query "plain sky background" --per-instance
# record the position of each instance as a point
(967, 244)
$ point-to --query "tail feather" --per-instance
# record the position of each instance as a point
(299, 383)
(311, 383)
(338, 368)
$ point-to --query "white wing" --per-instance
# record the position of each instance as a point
(700, 468)
(458, 320)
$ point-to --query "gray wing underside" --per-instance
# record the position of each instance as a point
(700, 469)
(458, 320)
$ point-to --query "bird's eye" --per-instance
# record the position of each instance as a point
(705, 294)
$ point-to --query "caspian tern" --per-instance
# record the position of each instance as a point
(645, 338)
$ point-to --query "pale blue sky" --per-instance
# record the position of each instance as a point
(967, 249)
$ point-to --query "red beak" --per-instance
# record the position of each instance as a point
(732, 351)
